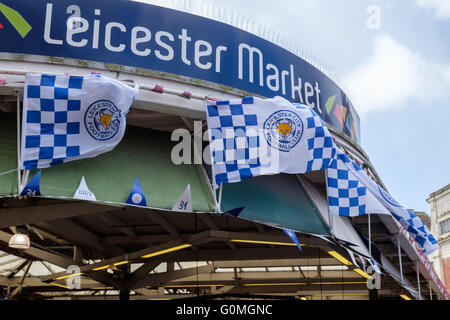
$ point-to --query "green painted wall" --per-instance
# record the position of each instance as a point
(8, 153)
(142, 153)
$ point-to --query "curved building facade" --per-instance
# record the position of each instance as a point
(179, 60)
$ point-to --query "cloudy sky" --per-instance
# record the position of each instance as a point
(396, 70)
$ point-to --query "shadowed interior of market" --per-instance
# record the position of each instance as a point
(223, 256)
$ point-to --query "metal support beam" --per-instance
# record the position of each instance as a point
(72, 231)
(158, 250)
(18, 268)
(143, 271)
(160, 279)
(155, 217)
(40, 213)
(213, 225)
(22, 279)
(40, 254)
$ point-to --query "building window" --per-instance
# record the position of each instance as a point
(445, 226)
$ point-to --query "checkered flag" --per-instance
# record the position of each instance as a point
(234, 140)
(321, 142)
(419, 231)
(347, 195)
(70, 117)
(251, 137)
(376, 200)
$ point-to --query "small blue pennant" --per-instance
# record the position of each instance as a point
(137, 196)
(293, 237)
(234, 212)
(32, 187)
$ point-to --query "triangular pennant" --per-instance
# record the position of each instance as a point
(137, 196)
(293, 237)
(375, 266)
(344, 112)
(83, 192)
(362, 262)
(235, 212)
(321, 237)
(184, 202)
(344, 243)
(329, 104)
(352, 256)
(352, 130)
(348, 123)
(338, 115)
(32, 187)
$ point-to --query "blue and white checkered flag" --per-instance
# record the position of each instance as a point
(252, 136)
(417, 229)
(413, 224)
(347, 195)
(67, 117)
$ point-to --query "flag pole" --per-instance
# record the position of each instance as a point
(399, 249)
(220, 196)
(431, 291)
(370, 235)
(18, 144)
(418, 279)
(328, 206)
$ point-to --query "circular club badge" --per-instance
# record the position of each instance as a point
(136, 198)
(283, 130)
(386, 196)
(102, 120)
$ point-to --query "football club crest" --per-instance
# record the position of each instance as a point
(136, 198)
(388, 198)
(283, 130)
(102, 120)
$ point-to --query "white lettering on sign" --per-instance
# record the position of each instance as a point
(142, 41)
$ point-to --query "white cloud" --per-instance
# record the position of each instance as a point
(394, 76)
(441, 7)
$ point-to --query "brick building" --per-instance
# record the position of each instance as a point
(440, 226)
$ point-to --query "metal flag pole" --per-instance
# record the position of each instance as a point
(431, 291)
(370, 236)
(330, 222)
(418, 279)
(18, 145)
(220, 196)
(399, 249)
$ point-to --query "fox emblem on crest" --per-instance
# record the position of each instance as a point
(284, 129)
(102, 120)
(105, 119)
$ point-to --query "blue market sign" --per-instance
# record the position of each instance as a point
(145, 36)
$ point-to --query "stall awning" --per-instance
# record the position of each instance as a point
(278, 200)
